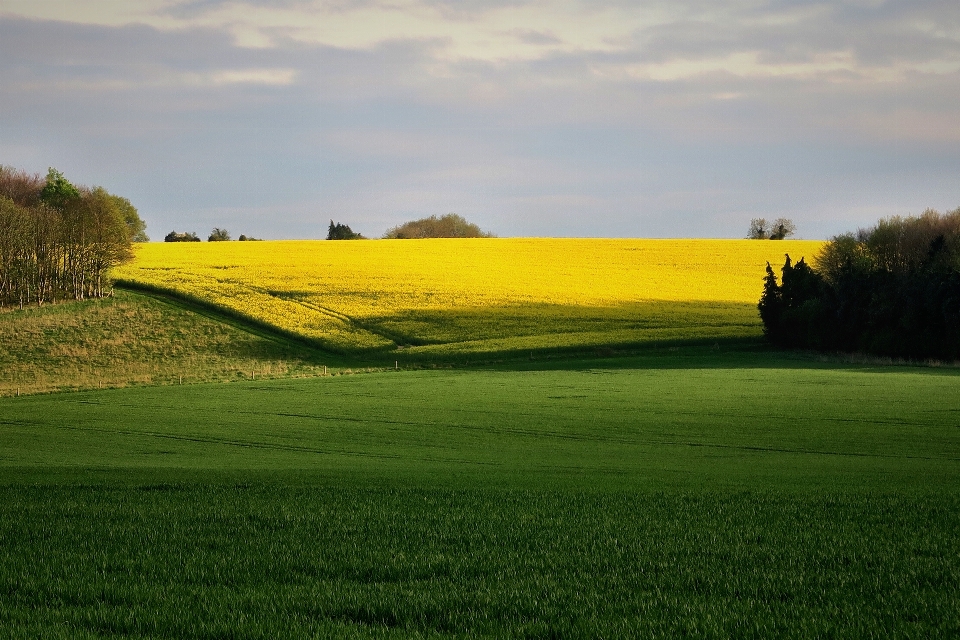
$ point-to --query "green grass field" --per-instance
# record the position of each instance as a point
(706, 491)
(139, 339)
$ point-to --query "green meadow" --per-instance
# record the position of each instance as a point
(688, 491)
(704, 490)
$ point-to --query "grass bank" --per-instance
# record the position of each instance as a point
(138, 339)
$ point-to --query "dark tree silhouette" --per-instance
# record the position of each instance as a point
(339, 231)
(893, 289)
(187, 236)
(779, 229)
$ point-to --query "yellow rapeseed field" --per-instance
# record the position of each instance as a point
(476, 295)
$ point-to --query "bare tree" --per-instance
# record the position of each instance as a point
(759, 229)
(782, 228)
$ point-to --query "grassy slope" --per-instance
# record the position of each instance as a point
(686, 491)
(133, 338)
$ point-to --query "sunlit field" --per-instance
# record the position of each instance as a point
(134, 338)
(701, 487)
(447, 296)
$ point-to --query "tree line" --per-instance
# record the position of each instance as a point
(892, 289)
(217, 235)
(58, 240)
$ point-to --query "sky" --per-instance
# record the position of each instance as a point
(557, 118)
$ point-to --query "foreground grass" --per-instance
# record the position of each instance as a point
(693, 491)
(136, 339)
(267, 560)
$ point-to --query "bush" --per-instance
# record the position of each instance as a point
(173, 236)
(448, 226)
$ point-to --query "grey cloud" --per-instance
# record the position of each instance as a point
(567, 144)
(536, 37)
(877, 35)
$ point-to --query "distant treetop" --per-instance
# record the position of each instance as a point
(779, 229)
(188, 236)
(448, 226)
(340, 231)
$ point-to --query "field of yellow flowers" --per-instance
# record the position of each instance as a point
(460, 296)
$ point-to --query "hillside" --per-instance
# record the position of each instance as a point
(134, 339)
(702, 490)
(445, 298)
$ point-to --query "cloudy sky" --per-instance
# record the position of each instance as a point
(625, 118)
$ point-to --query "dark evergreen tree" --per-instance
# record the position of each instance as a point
(342, 232)
(771, 306)
(891, 290)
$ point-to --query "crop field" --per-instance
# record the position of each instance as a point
(684, 491)
(447, 297)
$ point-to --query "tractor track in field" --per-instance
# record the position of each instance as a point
(514, 431)
(265, 445)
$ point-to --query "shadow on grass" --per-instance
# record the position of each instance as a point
(733, 353)
(719, 352)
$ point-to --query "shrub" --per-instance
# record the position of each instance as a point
(173, 236)
(448, 226)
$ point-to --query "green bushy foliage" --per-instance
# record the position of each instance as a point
(448, 226)
(188, 236)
